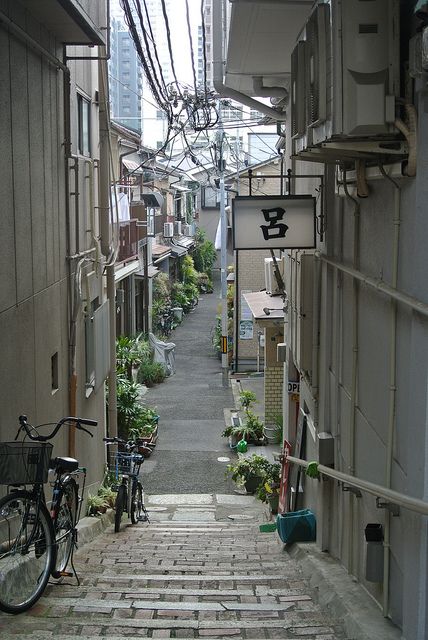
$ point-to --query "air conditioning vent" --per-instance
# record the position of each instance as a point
(318, 46)
(187, 230)
(271, 283)
(177, 228)
(168, 229)
(298, 122)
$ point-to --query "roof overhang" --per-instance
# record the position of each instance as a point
(69, 21)
(262, 35)
(266, 310)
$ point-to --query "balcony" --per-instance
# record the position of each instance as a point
(82, 22)
(128, 240)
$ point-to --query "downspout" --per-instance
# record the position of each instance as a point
(104, 208)
(392, 391)
(354, 378)
(219, 86)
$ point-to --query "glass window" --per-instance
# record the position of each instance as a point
(84, 125)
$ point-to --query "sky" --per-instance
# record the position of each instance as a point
(179, 33)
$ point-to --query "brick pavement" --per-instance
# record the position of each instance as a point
(181, 577)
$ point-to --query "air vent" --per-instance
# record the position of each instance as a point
(168, 229)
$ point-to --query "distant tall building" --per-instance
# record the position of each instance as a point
(208, 47)
(125, 77)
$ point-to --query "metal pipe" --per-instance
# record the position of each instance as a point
(393, 497)
(217, 64)
(379, 285)
(392, 393)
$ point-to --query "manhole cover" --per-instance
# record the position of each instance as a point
(223, 459)
(240, 516)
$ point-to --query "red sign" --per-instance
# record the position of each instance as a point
(283, 489)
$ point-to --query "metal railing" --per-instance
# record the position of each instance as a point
(391, 497)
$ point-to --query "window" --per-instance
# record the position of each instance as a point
(83, 126)
(159, 114)
(54, 373)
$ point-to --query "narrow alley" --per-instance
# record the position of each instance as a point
(201, 568)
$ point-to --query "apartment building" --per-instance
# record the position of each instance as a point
(356, 315)
(53, 310)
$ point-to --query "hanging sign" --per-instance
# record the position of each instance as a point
(273, 222)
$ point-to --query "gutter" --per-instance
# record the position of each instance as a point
(219, 86)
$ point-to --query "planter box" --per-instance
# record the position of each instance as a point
(272, 434)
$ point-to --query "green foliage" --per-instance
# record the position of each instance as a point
(204, 254)
(253, 426)
(95, 504)
(128, 407)
(131, 352)
(151, 373)
(246, 398)
(178, 296)
(243, 468)
(108, 495)
(271, 482)
(188, 271)
(161, 286)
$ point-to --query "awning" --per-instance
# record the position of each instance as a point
(177, 251)
(133, 166)
(184, 241)
(152, 272)
(265, 307)
(160, 252)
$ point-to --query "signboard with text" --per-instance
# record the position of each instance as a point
(273, 222)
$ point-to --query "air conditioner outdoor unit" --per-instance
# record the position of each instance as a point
(271, 283)
(168, 229)
(187, 230)
(177, 227)
(350, 52)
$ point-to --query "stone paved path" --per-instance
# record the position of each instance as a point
(193, 572)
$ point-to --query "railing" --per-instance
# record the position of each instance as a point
(128, 240)
(391, 497)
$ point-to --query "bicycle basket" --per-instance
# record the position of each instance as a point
(120, 462)
(24, 462)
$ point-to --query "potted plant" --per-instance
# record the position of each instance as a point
(253, 428)
(273, 433)
(95, 505)
(108, 495)
(268, 489)
(248, 471)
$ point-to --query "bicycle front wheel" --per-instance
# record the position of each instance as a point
(138, 510)
(64, 525)
(26, 551)
(120, 506)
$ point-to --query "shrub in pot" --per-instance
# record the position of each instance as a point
(249, 471)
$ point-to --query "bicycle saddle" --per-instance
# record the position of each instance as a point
(63, 464)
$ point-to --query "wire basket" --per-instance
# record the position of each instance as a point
(24, 462)
(126, 463)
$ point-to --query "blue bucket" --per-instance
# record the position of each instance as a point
(296, 526)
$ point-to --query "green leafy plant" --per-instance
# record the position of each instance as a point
(108, 495)
(247, 398)
(243, 468)
(204, 254)
(131, 352)
(95, 505)
(128, 406)
(151, 373)
(270, 485)
(253, 426)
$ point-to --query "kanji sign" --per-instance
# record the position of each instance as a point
(273, 222)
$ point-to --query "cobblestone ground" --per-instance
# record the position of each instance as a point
(193, 572)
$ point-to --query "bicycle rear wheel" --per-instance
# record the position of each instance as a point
(26, 551)
(120, 505)
(64, 525)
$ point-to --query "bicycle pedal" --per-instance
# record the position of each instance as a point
(62, 574)
(143, 519)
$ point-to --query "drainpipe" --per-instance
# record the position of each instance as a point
(354, 379)
(219, 86)
(104, 208)
(392, 392)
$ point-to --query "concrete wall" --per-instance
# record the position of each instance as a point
(34, 288)
(358, 321)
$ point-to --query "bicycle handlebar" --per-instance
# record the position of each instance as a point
(77, 423)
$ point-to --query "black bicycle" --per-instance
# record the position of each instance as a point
(36, 543)
(125, 467)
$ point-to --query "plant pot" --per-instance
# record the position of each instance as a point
(272, 434)
(251, 483)
(273, 502)
(234, 439)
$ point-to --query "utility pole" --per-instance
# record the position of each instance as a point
(223, 256)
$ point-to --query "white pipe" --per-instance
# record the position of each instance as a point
(354, 376)
(219, 86)
(268, 92)
(379, 285)
(392, 396)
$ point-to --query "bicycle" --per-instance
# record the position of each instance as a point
(36, 543)
(130, 493)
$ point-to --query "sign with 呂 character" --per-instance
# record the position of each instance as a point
(273, 222)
